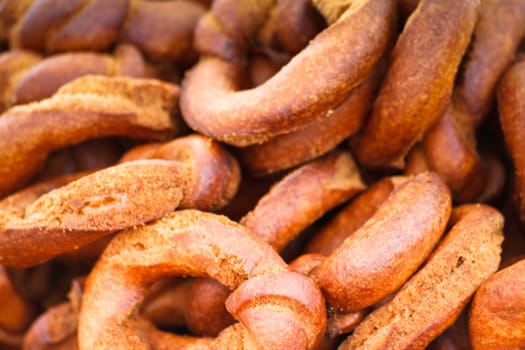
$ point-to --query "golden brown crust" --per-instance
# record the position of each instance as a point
(381, 255)
(34, 229)
(117, 106)
(419, 81)
(497, 314)
(212, 104)
(435, 296)
(302, 197)
(196, 243)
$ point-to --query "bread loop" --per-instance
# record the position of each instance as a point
(498, 33)
(316, 138)
(497, 314)
(419, 81)
(352, 216)
(51, 27)
(16, 312)
(372, 262)
(433, 298)
(190, 242)
(511, 106)
(450, 150)
(45, 76)
(118, 106)
(212, 103)
(291, 205)
(191, 172)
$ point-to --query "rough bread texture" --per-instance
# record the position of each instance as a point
(435, 296)
(88, 107)
(497, 314)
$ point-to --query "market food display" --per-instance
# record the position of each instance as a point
(262, 174)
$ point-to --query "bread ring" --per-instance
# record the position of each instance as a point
(321, 185)
(435, 296)
(16, 313)
(115, 198)
(498, 33)
(372, 263)
(351, 217)
(204, 315)
(212, 104)
(317, 137)
(118, 106)
(12, 64)
(47, 76)
(450, 151)
(196, 243)
(511, 106)
(51, 27)
(419, 81)
(497, 314)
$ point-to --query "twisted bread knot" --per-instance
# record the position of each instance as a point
(94, 25)
(212, 104)
(192, 172)
(117, 106)
(268, 300)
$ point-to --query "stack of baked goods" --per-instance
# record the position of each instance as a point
(262, 174)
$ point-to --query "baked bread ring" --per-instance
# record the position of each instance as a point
(419, 81)
(352, 216)
(117, 106)
(199, 174)
(498, 33)
(45, 77)
(302, 197)
(316, 138)
(212, 104)
(435, 296)
(46, 26)
(190, 242)
(511, 106)
(497, 314)
(379, 257)
(16, 313)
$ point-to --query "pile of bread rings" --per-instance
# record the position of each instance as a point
(262, 174)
